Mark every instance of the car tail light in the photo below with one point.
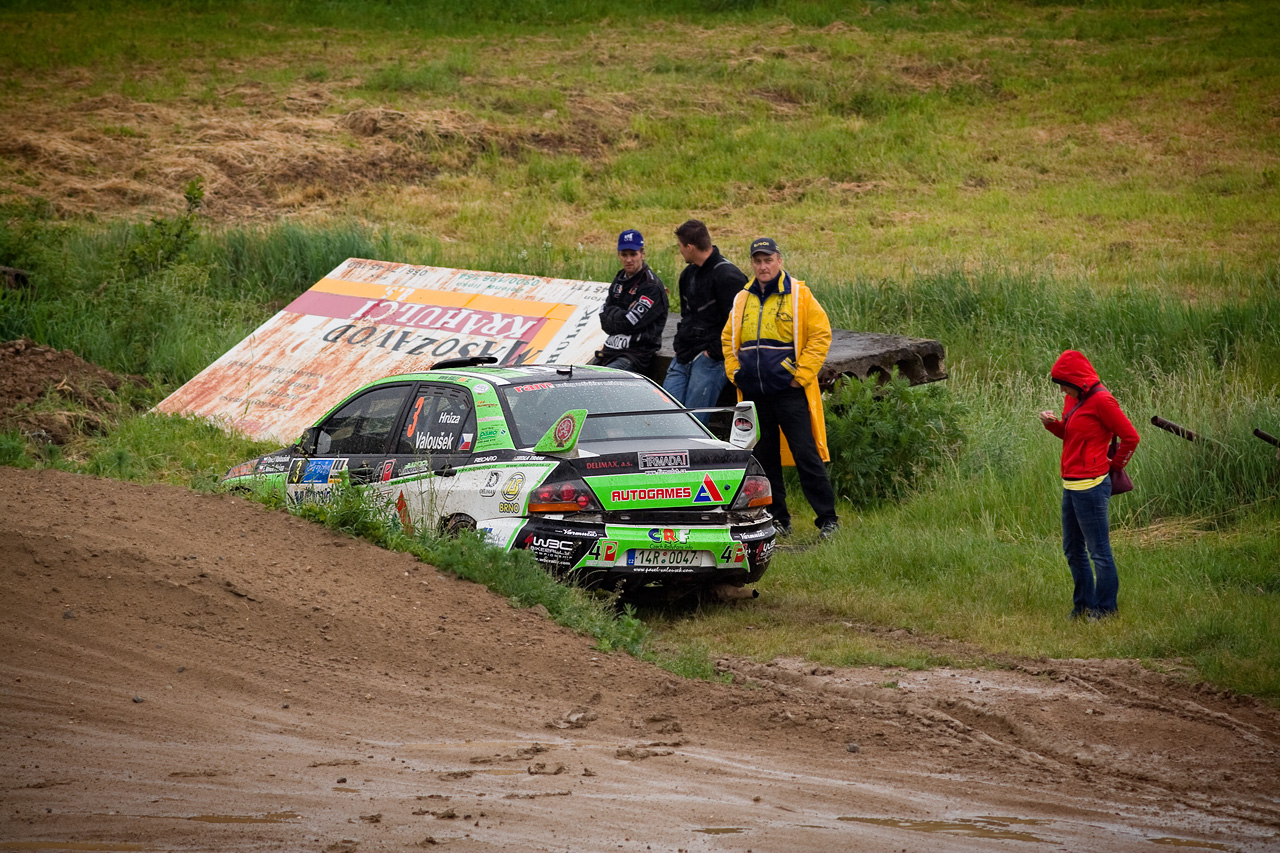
(755, 491)
(568, 495)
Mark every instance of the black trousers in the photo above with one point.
(788, 410)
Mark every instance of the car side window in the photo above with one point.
(441, 420)
(363, 425)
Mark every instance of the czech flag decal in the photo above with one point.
(709, 493)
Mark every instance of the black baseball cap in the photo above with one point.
(764, 245)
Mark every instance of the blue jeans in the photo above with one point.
(1086, 534)
(696, 383)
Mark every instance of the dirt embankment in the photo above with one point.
(182, 671)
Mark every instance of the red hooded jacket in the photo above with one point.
(1087, 425)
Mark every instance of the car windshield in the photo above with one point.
(535, 407)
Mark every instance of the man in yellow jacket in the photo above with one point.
(774, 344)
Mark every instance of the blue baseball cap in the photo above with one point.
(631, 241)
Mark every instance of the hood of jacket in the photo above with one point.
(1072, 367)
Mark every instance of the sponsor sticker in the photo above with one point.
(244, 469)
(511, 488)
(564, 430)
(676, 460)
(604, 551)
(536, 386)
(608, 464)
(675, 493)
(490, 487)
(667, 534)
(709, 492)
(387, 467)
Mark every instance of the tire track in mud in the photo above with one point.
(1108, 725)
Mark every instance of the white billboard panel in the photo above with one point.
(369, 319)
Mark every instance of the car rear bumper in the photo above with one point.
(608, 555)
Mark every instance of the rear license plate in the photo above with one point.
(659, 558)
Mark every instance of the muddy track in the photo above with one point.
(193, 672)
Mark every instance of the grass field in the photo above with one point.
(1012, 179)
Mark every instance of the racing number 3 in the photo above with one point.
(413, 422)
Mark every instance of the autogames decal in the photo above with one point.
(621, 496)
(666, 488)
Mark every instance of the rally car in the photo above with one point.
(599, 473)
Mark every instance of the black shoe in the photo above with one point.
(831, 528)
(782, 531)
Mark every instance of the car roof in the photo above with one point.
(500, 376)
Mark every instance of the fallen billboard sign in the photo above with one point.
(368, 319)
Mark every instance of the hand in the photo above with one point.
(1047, 417)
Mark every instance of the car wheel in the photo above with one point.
(455, 524)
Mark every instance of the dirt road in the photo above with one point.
(189, 672)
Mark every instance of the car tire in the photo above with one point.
(455, 524)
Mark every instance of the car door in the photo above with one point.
(356, 438)
(432, 442)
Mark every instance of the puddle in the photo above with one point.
(1187, 842)
(979, 828)
(274, 817)
(70, 845)
(721, 830)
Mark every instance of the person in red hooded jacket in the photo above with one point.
(1090, 417)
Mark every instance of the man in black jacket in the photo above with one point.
(635, 312)
(707, 288)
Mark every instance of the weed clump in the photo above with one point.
(885, 437)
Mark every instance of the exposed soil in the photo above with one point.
(182, 671)
(50, 395)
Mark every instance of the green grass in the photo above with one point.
(891, 137)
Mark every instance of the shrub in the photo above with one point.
(884, 437)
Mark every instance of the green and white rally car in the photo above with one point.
(598, 472)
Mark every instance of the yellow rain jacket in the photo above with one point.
(805, 327)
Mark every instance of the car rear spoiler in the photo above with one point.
(562, 438)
